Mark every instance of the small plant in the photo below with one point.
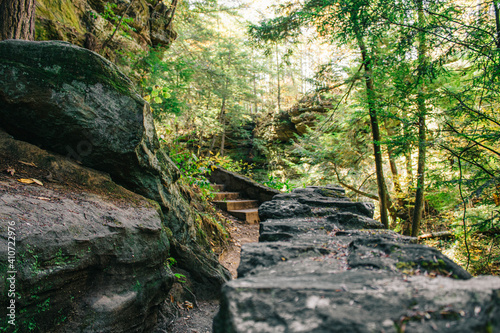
(171, 261)
(110, 15)
(180, 277)
(274, 182)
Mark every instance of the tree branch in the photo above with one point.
(117, 26)
(365, 194)
(472, 140)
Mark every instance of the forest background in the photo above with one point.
(396, 101)
(393, 100)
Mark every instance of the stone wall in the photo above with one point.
(320, 268)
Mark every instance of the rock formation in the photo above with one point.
(82, 23)
(343, 273)
(286, 125)
(89, 254)
(70, 101)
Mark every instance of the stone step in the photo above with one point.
(228, 205)
(220, 196)
(250, 216)
(218, 187)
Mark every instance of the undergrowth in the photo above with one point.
(478, 249)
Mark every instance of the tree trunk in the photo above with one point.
(222, 142)
(222, 121)
(370, 91)
(392, 161)
(17, 19)
(255, 106)
(278, 72)
(408, 163)
(421, 109)
(497, 22)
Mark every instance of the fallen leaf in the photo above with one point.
(37, 181)
(30, 181)
(29, 164)
(43, 198)
(188, 305)
(25, 181)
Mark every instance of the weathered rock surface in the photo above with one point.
(342, 273)
(327, 197)
(71, 101)
(286, 125)
(282, 209)
(90, 255)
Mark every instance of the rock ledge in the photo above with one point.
(343, 273)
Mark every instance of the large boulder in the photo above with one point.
(89, 254)
(72, 101)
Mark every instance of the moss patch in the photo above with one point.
(62, 11)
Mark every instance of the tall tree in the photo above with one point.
(17, 19)
(347, 21)
(421, 112)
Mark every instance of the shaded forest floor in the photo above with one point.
(199, 319)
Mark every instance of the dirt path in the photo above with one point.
(241, 234)
(199, 319)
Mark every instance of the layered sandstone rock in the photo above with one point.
(83, 23)
(89, 254)
(342, 273)
(72, 102)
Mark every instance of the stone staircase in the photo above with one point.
(231, 202)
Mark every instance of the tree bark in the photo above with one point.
(17, 19)
(377, 151)
(421, 108)
(223, 123)
(496, 3)
(278, 73)
(392, 160)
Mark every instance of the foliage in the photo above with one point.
(118, 21)
(276, 183)
(219, 96)
(458, 82)
(193, 168)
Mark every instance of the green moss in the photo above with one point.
(91, 69)
(407, 268)
(61, 11)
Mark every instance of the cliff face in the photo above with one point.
(77, 105)
(90, 23)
